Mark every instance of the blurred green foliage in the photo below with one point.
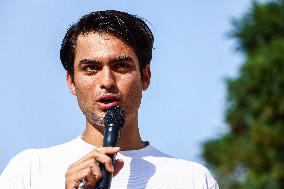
(251, 154)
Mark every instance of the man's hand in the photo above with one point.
(87, 167)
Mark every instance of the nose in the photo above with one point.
(107, 78)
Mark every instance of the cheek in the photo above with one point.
(84, 88)
(130, 84)
(131, 88)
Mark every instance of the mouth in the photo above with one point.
(107, 101)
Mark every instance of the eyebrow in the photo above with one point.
(121, 59)
(112, 61)
(88, 61)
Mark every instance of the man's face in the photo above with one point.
(106, 74)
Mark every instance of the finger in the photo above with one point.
(88, 163)
(95, 152)
(94, 176)
(97, 172)
(73, 180)
(119, 163)
(101, 157)
(82, 174)
(108, 150)
(106, 161)
(97, 158)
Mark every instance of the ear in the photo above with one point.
(70, 83)
(146, 77)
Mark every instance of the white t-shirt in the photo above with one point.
(146, 168)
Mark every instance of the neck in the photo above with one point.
(129, 138)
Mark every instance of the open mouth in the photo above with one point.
(108, 101)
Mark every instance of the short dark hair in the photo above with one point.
(129, 28)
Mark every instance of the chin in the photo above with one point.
(96, 120)
(97, 123)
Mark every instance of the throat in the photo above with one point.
(92, 136)
(129, 137)
(131, 141)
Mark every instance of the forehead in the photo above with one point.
(99, 44)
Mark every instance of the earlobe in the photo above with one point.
(146, 77)
(70, 83)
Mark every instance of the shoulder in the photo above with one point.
(59, 147)
(59, 154)
(27, 159)
(180, 165)
(17, 172)
(21, 160)
(189, 172)
(29, 164)
(60, 151)
(199, 173)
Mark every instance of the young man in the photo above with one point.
(107, 57)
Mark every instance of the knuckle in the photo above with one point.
(89, 170)
(103, 149)
(108, 160)
(97, 149)
(93, 161)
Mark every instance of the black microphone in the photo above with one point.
(114, 120)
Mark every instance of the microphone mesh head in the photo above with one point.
(115, 116)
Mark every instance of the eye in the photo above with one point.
(122, 66)
(91, 68)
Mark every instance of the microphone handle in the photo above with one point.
(111, 138)
(105, 182)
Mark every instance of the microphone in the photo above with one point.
(114, 120)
